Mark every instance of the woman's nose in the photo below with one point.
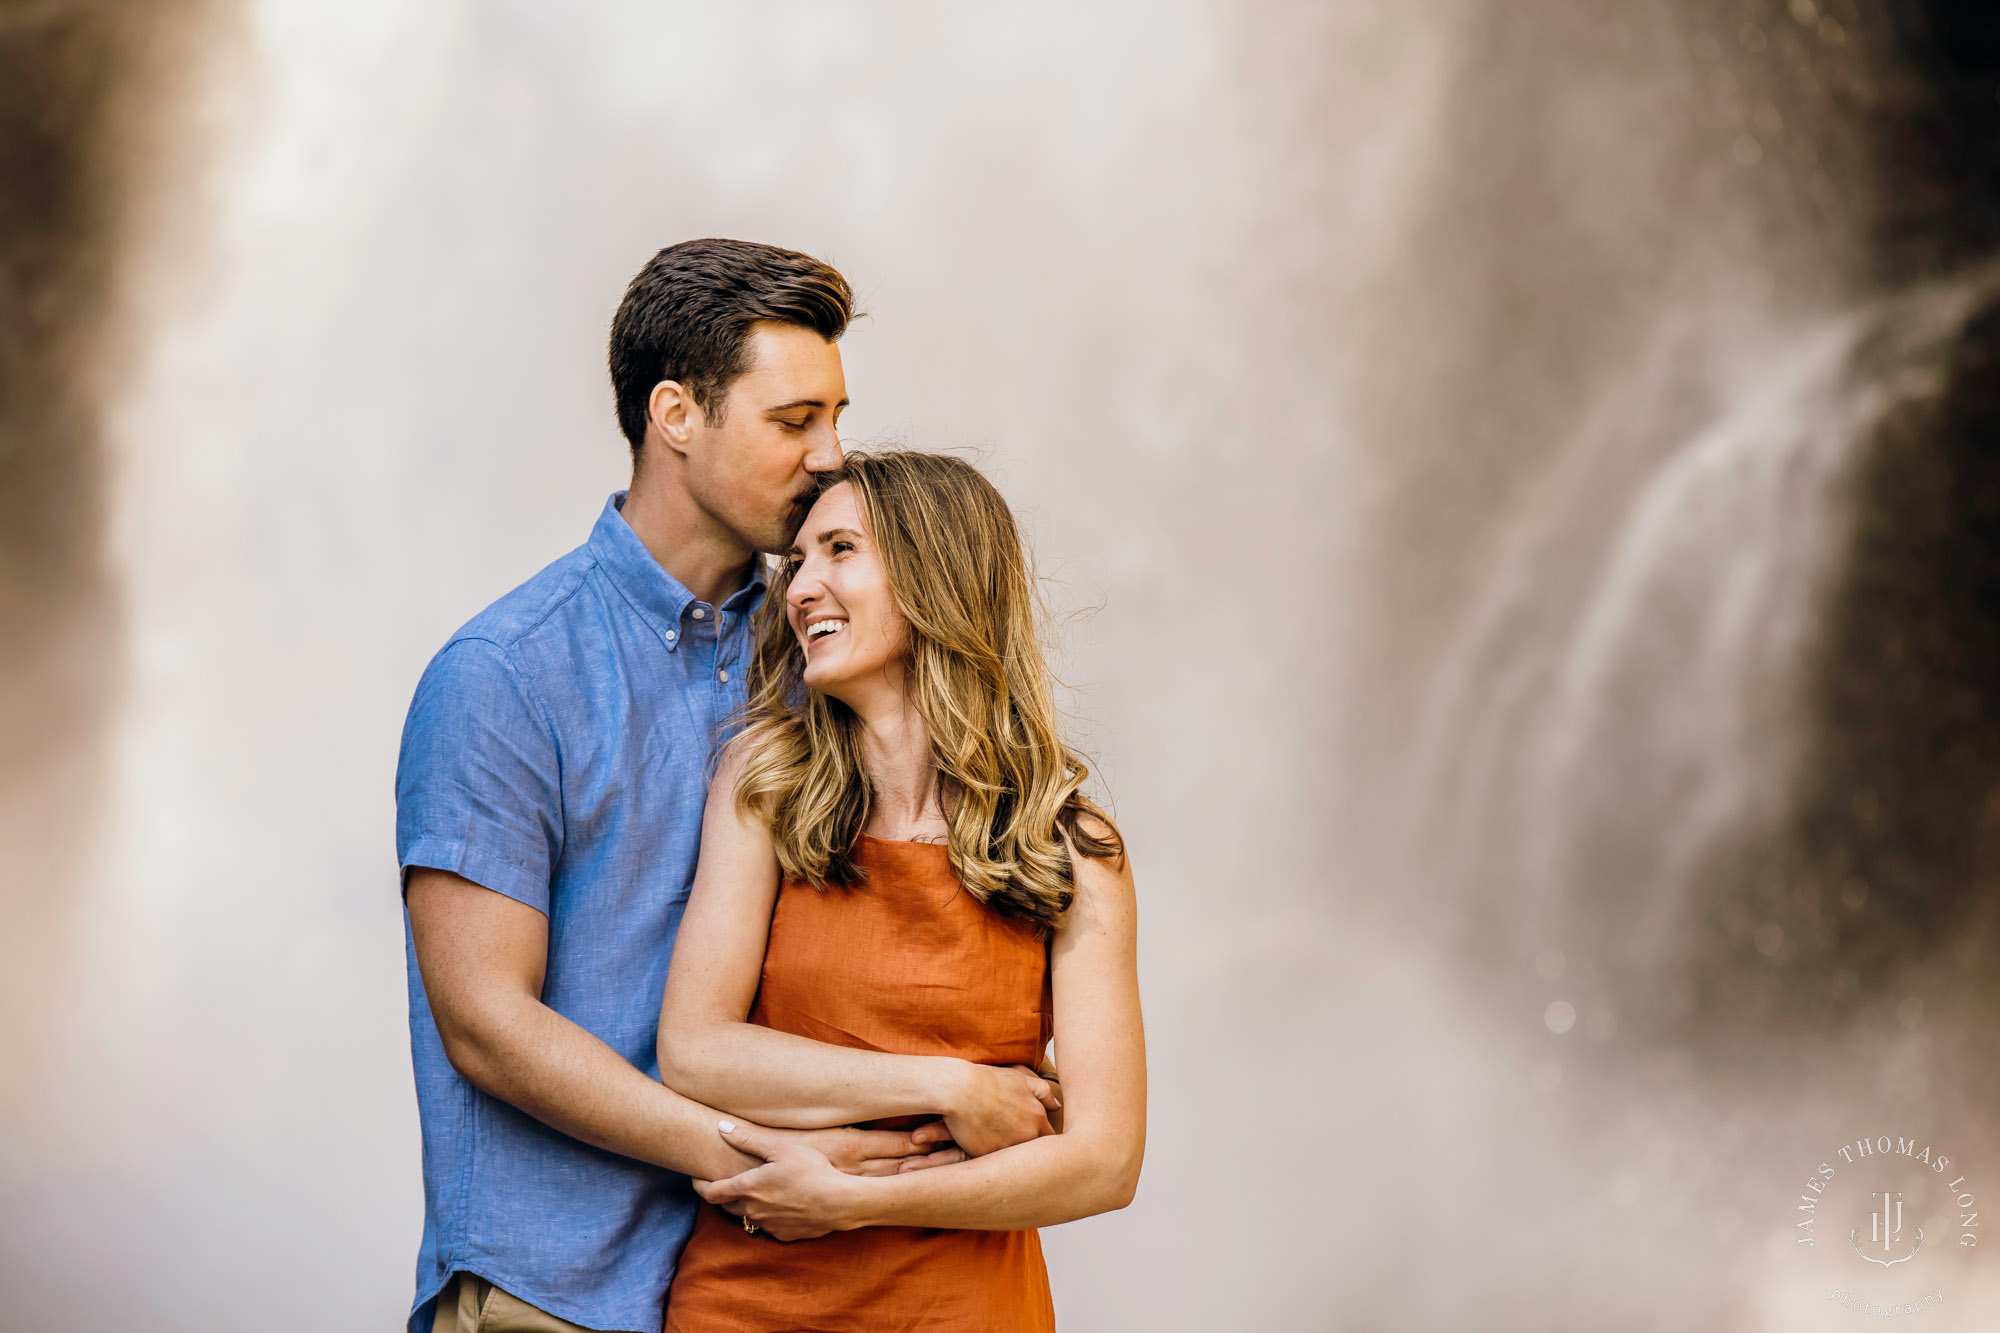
(803, 592)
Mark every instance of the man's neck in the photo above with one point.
(706, 560)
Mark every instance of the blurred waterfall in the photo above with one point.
(99, 144)
(1611, 744)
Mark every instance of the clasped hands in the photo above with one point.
(810, 1180)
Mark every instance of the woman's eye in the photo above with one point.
(840, 547)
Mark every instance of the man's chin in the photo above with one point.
(786, 530)
(779, 538)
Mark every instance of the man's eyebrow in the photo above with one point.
(804, 402)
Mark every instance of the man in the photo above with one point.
(549, 800)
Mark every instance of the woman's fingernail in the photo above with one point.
(726, 1126)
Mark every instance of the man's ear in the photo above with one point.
(672, 413)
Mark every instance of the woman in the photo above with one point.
(896, 858)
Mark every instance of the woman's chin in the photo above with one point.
(822, 678)
(848, 677)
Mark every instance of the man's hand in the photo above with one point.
(876, 1152)
(797, 1194)
(993, 1107)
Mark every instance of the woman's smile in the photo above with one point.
(821, 628)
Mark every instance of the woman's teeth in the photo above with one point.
(820, 629)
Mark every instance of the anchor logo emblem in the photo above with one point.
(1885, 1227)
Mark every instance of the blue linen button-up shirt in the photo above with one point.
(557, 751)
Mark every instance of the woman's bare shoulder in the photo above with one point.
(1102, 883)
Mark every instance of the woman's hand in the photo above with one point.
(878, 1152)
(795, 1195)
(990, 1107)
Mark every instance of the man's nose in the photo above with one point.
(824, 455)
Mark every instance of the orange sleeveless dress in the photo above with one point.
(913, 964)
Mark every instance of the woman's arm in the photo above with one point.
(778, 1078)
(1091, 1167)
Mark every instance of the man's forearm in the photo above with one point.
(533, 1058)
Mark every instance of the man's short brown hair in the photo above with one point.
(687, 316)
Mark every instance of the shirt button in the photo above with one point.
(671, 636)
(724, 673)
(700, 614)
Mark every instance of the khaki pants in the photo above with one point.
(471, 1304)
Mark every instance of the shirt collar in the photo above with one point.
(656, 595)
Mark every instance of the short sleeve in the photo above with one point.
(478, 790)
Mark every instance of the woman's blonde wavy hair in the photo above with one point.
(1009, 785)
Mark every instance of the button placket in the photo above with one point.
(726, 642)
